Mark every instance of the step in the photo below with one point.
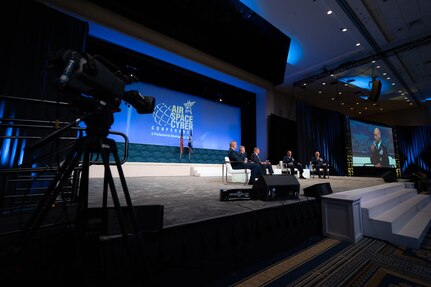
(368, 193)
(400, 214)
(414, 231)
(376, 206)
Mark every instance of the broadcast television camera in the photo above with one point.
(94, 83)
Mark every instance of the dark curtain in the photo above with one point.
(324, 131)
(281, 137)
(34, 34)
(414, 145)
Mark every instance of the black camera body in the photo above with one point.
(93, 83)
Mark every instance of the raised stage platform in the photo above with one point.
(194, 239)
(189, 198)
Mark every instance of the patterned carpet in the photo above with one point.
(330, 262)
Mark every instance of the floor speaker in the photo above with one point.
(390, 176)
(276, 187)
(149, 218)
(318, 190)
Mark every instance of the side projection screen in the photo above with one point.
(372, 145)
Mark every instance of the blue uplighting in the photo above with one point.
(14, 148)
(364, 82)
(21, 154)
(295, 52)
(115, 37)
(6, 147)
(295, 49)
(2, 108)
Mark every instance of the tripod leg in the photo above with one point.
(109, 179)
(124, 185)
(53, 191)
(81, 214)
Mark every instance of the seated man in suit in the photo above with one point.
(291, 163)
(242, 153)
(265, 165)
(237, 162)
(319, 163)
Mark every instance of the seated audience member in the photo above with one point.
(242, 153)
(264, 165)
(237, 162)
(319, 163)
(291, 164)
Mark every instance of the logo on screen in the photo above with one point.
(174, 116)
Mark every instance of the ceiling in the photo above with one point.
(326, 67)
(325, 64)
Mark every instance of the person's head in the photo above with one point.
(242, 149)
(377, 135)
(317, 154)
(256, 150)
(232, 144)
(289, 153)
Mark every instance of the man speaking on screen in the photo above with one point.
(379, 152)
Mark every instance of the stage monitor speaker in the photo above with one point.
(389, 176)
(149, 218)
(276, 187)
(318, 190)
(376, 89)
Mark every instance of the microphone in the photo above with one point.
(72, 62)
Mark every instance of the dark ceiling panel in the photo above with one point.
(225, 29)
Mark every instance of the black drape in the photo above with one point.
(324, 131)
(414, 145)
(34, 34)
(281, 137)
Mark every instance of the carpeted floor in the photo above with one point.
(330, 262)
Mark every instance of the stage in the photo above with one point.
(189, 199)
(188, 237)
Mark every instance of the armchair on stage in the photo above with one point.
(235, 175)
(313, 169)
(285, 169)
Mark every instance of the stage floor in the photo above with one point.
(188, 199)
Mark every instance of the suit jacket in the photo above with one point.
(243, 156)
(255, 158)
(237, 161)
(289, 160)
(317, 161)
(380, 155)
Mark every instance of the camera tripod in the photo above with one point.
(94, 142)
